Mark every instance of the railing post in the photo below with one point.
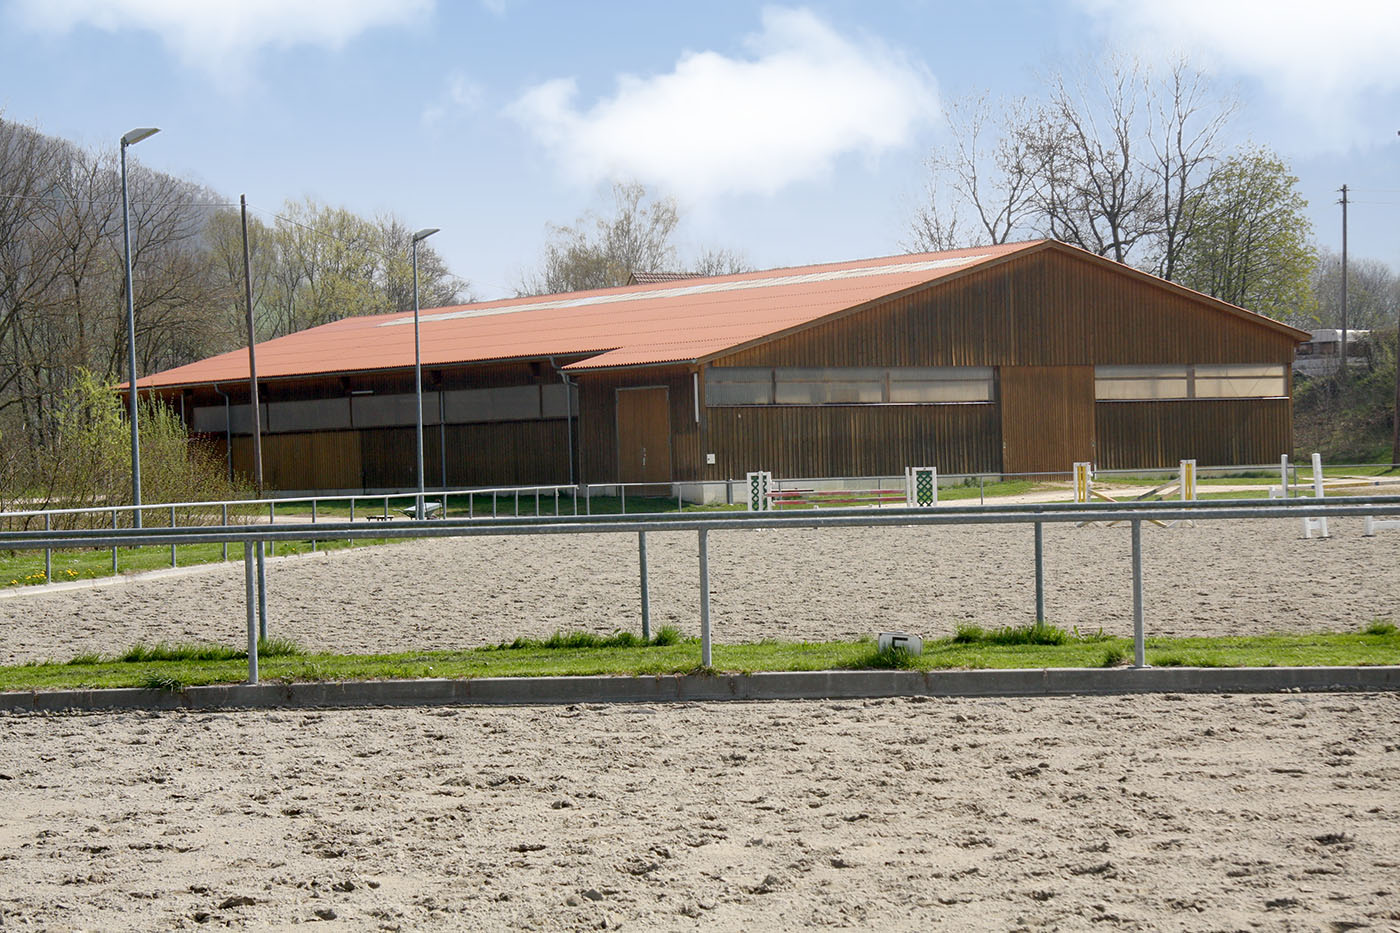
(646, 595)
(1039, 572)
(172, 546)
(1139, 649)
(224, 520)
(48, 553)
(704, 598)
(114, 547)
(313, 521)
(262, 592)
(252, 621)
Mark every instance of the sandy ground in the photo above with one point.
(1137, 813)
(1216, 578)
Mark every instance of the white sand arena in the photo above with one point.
(1141, 813)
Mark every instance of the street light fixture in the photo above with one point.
(131, 139)
(418, 363)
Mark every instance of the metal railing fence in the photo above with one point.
(1037, 514)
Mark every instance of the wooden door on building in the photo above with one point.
(644, 435)
(1047, 418)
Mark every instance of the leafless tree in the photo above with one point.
(1187, 123)
(1112, 161)
(991, 179)
(602, 252)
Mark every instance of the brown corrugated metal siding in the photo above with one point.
(1045, 320)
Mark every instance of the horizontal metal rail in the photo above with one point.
(260, 504)
(826, 518)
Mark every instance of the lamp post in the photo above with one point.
(418, 362)
(131, 139)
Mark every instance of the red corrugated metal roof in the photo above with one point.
(635, 325)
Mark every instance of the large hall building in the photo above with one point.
(1019, 358)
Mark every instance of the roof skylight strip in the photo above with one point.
(682, 291)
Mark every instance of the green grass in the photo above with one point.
(26, 568)
(173, 667)
(1037, 633)
(970, 490)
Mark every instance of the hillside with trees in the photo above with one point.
(62, 283)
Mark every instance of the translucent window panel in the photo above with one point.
(1141, 382)
(319, 414)
(942, 384)
(241, 418)
(208, 419)
(513, 403)
(397, 410)
(738, 386)
(828, 393)
(557, 399)
(849, 385)
(1240, 381)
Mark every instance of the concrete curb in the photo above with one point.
(779, 685)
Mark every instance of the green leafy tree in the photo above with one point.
(1252, 243)
(85, 459)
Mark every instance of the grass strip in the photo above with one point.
(26, 568)
(580, 654)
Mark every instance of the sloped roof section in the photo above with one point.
(661, 322)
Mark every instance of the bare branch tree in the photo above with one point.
(996, 185)
(1187, 121)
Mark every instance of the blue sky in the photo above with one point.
(791, 133)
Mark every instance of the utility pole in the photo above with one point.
(1343, 371)
(252, 355)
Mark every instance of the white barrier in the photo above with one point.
(1185, 487)
(921, 487)
(1318, 524)
(759, 484)
(1083, 481)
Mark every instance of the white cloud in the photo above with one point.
(805, 96)
(219, 35)
(1324, 62)
(460, 94)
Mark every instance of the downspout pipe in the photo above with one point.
(569, 389)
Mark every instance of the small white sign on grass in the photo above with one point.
(913, 644)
